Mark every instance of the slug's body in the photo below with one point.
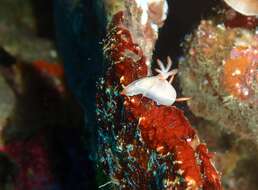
(157, 88)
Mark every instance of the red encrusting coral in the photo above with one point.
(53, 69)
(163, 129)
(234, 20)
(208, 170)
(54, 72)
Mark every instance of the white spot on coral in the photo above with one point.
(236, 72)
(144, 5)
(155, 27)
(245, 91)
(237, 84)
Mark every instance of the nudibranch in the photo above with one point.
(245, 7)
(156, 88)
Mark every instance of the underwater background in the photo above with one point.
(64, 124)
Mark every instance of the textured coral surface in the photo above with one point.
(220, 67)
(219, 70)
(143, 145)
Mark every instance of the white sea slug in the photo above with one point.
(157, 88)
(245, 7)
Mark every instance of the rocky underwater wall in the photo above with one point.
(144, 145)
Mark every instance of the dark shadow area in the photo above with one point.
(43, 11)
(8, 170)
(79, 31)
(5, 58)
(183, 16)
(70, 162)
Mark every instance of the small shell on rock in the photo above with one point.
(245, 7)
